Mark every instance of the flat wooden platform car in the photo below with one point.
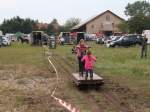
(79, 81)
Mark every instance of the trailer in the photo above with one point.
(80, 35)
(39, 38)
(80, 81)
(66, 36)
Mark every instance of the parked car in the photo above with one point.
(139, 39)
(114, 43)
(106, 39)
(99, 40)
(127, 41)
(102, 40)
(113, 39)
(6, 41)
(11, 37)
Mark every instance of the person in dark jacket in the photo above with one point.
(144, 47)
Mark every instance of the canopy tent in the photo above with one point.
(18, 34)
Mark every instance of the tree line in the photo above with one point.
(139, 17)
(138, 14)
(17, 24)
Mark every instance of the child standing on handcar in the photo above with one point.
(89, 60)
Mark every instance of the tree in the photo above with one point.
(17, 24)
(139, 23)
(124, 27)
(70, 23)
(53, 27)
(139, 7)
(139, 13)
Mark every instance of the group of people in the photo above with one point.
(86, 59)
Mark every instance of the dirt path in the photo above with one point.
(109, 99)
(87, 98)
(116, 102)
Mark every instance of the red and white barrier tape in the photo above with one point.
(61, 102)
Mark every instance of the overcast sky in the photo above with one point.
(46, 10)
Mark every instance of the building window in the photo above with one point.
(107, 17)
(92, 26)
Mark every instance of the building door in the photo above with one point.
(108, 33)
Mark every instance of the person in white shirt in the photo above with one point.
(62, 40)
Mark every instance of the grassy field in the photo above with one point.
(119, 66)
(24, 54)
(25, 78)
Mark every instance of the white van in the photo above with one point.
(147, 33)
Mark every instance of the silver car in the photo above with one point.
(6, 41)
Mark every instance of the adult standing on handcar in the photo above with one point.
(81, 49)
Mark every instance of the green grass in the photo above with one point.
(122, 65)
(22, 54)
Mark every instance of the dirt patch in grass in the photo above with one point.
(26, 88)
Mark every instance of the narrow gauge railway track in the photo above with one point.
(109, 97)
